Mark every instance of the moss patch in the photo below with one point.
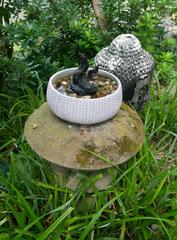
(127, 145)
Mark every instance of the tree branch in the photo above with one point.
(99, 13)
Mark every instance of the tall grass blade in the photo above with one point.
(96, 216)
(52, 227)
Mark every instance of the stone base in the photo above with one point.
(85, 147)
(72, 178)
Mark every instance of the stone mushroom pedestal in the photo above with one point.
(72, 148)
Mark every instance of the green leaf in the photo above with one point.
(4, 236)
(24, 231)
(96, 216)
(52, 227)
(3, 221)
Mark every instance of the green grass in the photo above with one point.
(140, 204)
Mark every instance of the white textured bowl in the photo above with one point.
(83, 111)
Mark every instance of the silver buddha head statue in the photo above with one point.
(126, 59)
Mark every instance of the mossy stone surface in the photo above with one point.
(71, 145)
